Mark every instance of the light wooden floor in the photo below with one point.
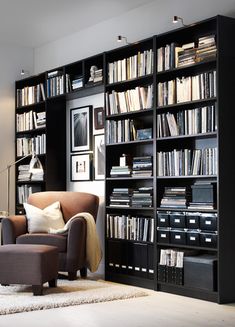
(158, 309)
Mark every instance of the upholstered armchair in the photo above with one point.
(72, 244)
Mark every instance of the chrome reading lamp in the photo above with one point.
(35, 167)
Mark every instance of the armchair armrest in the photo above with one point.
(12, 227)
(76, 244)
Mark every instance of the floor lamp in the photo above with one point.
(35, 166)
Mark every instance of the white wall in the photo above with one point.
(95, 187)
(12, 60)
(145, 21)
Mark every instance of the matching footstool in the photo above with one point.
(29, 264)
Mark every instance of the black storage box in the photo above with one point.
(162, 219)
(208, 221)
(177, 219)
(193, 238)
(201, 272)
(192, 220)
(208, 240)
(163, 235)
(161, 273)
(204, 193)
(178, 236)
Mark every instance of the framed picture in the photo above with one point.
(80, 169)
(99, 119)
(80, 129)
(99, 157)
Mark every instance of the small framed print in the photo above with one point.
(80, 169)
(99, 157)
(80, 129)
(99, 119)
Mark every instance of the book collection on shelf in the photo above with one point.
(131, 100)
(24, 174)
(173, 55)
(28, 145)
(30, 120)
(189, 88)
(187, 162)
(188, 122)
(138, 65)
(140, 197)
(30, 95)
(55, 83)
(131, 228)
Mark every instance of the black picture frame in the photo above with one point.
(99, 157)
(80, 167)
(81, 128)
(99, 118)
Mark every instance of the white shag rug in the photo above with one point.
(19, 298)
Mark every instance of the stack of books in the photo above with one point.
(142, 197)
(98, 76)
(206, 48)
(120, 171)
(37, 175)
(77, 83)
(23, 173)
(121, 197)
(187, 56)
(39, 119)
(142, 166)
(175, 197)
(203, 195)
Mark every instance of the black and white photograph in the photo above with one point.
(98, 120)
(99, 156)
(80, 167)
(80, 124)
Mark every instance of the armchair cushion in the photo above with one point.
(59, 241)
(41, 220)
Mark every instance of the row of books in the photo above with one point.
(24, 191)
(120, 131)
(190, 88)
(135, 66)
(173, 55)
(187, 162)
(126, 197)
(172, 258)
(55, 83)
(25, 145)
(131, 100)
(30, 120)
(188, 122)
(141, 167)
(30, 95)
(175, 197)
(130, 228)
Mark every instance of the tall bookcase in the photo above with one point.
(41, 121)
(196, 92)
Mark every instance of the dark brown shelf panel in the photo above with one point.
(196, 136)
(129, 279)
(56, 97)
(187, 104)
(30, 182)
(129, 241)
(186, 209)
(29, 157)
(140, 80)
(186, 246)
(128, 178)
(130, 142)
(85, 91)
(188, 67)
(188, 176)
(130, 208)
(31, 131)
(135, 113)
(30, 106)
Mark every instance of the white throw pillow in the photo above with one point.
(41, 220)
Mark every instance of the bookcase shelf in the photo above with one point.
(145, 112)
(185, 209)
(32, 131)
(196, 136)
(30, 106)
(130, 143)
(128, 178)
(187, 104)
(130, 208)
(131, 82)
(188, 176)
(173, 245)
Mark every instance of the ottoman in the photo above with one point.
(29, 264)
